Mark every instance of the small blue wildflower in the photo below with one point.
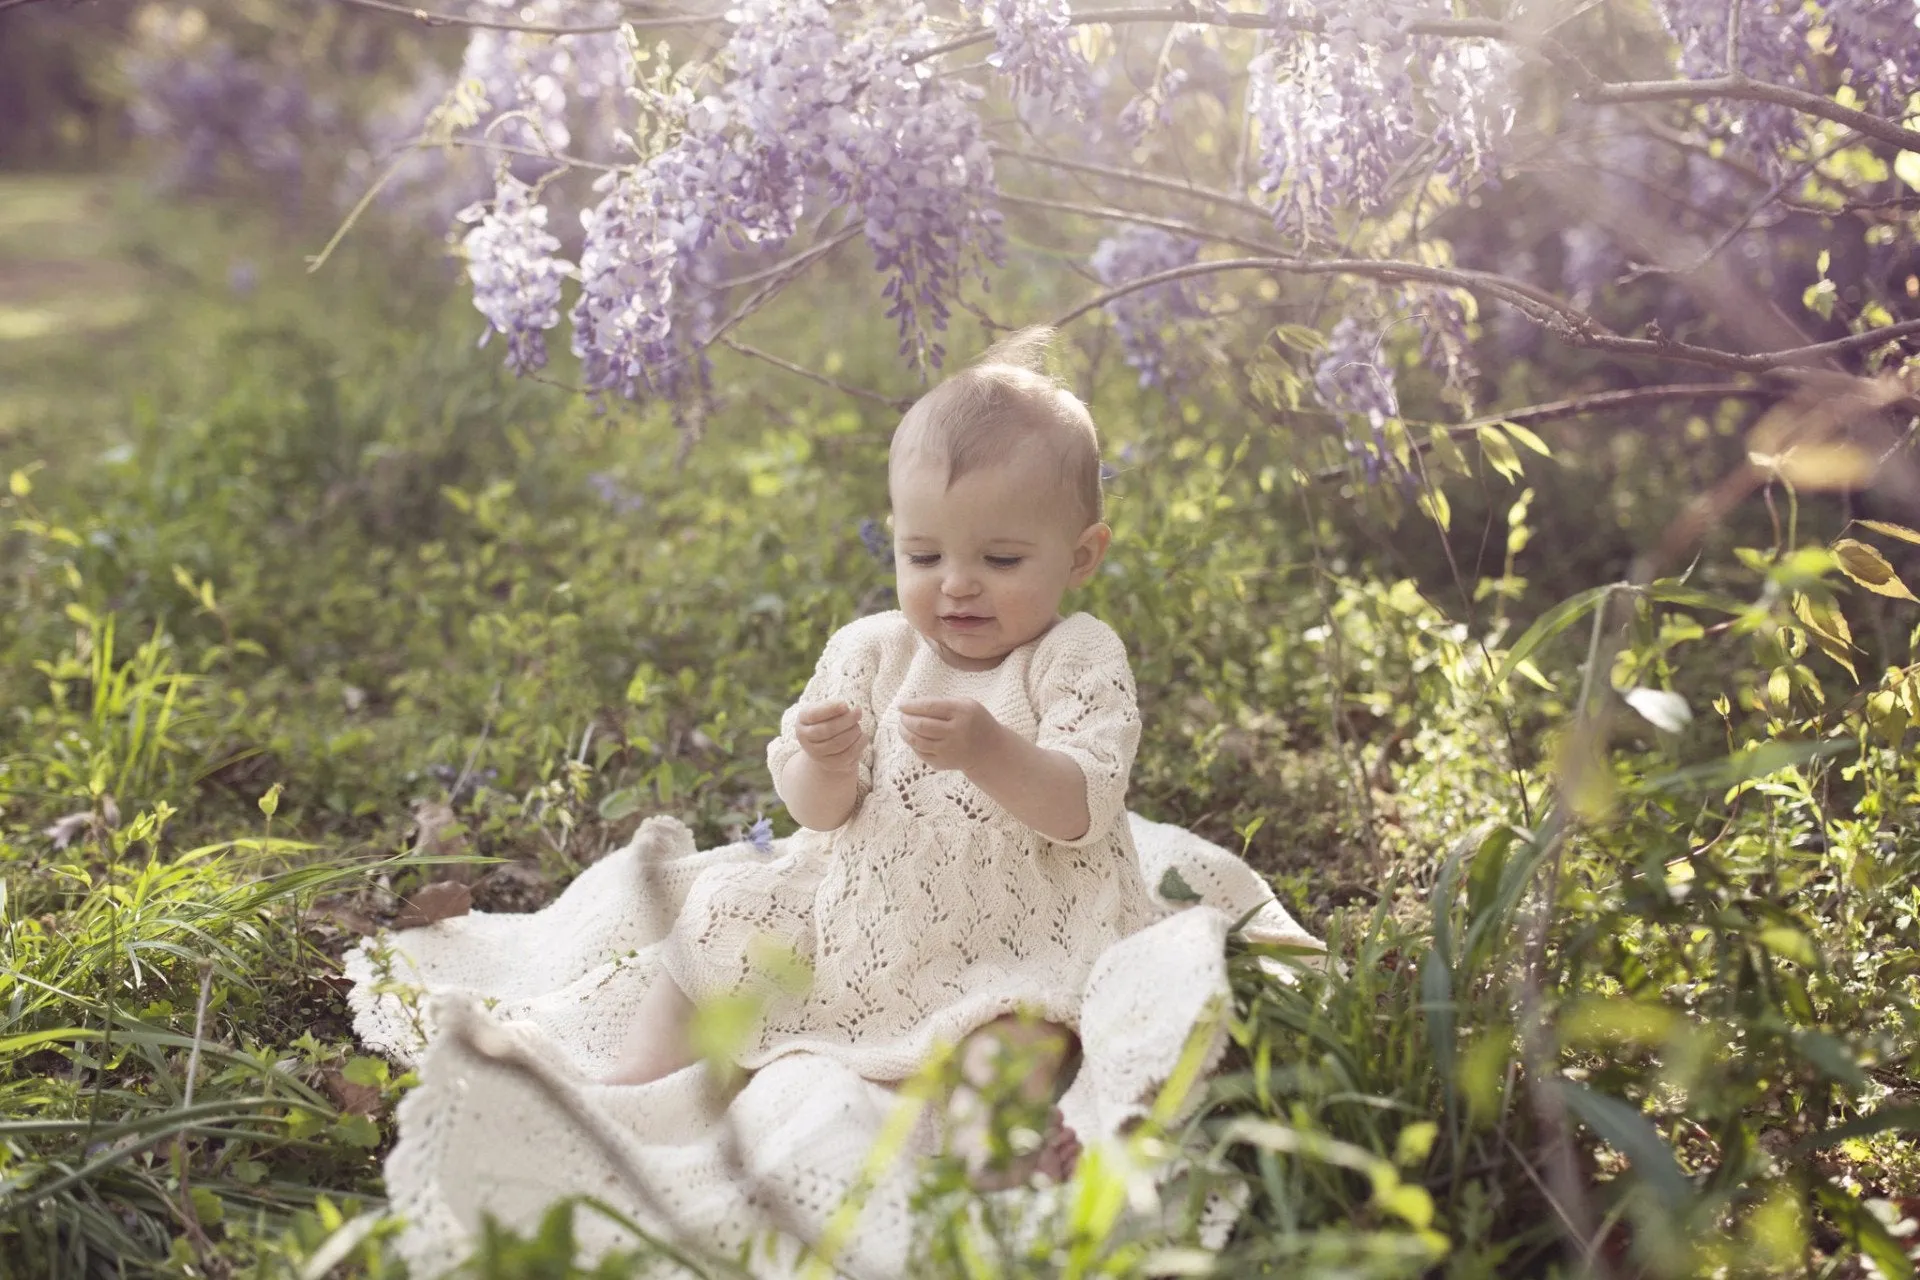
(874, 535)
(1108, 472)
(609, 491)
(760, 834)
(242, 278)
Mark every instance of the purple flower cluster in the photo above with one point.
(1141, 318)
(1033, 46)
(1773, 47)
(220, 115)
(610, 491)
(1873, 45)
(1351, 378)
(516, 277)
(1445, 345)
(875, 538)
(536, 87)
(1340, 112)
(809, 109)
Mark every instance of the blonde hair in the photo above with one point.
(982, 415)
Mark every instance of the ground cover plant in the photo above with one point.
(1588, 746)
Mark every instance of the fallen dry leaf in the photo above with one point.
(441, 900)
(354, 1099)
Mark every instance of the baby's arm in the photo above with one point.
(821, 785)
(1046, 790)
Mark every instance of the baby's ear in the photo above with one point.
(1089, 551)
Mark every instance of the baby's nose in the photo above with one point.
(960, 583)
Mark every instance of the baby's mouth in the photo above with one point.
(965, 620)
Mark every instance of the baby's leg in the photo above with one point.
(1017, 1065)
(657, 1045)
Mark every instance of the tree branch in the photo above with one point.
(1741, 89)
(1597, 402)
(1485, 28)
(433, 19)
(1570, 324)
(1516, 293)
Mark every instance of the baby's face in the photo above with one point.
(982, 564)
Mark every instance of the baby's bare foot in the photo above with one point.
(1059, 1150)
(1055, 1158)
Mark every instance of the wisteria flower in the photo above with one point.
(516, 275)
(1142, 317)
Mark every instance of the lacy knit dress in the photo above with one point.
(931, 910)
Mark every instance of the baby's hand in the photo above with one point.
(948, 733)
(830, 733)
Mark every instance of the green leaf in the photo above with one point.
(358, 1131)
(1411, 1204)
(616, 805)
(1624, 1128)
(1831, 1057)
(1757, 761)
(1904, 1118)
(207, 1207)
(1866, 1231)
(1790, 944)
(371, 1072)
(1870, 569)
(1550, 624)
(1413, 1143)
(1174, 887)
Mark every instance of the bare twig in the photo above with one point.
(502, 1050)
(1143, 219)
(891, 402)
(1138, 178)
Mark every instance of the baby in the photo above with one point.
(968, 755)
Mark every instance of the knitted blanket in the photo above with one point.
(510, 1019)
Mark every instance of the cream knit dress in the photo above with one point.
(928, 913)
(931, 911)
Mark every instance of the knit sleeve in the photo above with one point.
(846, 670)
(1084, 697)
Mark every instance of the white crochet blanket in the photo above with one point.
(509, 1019)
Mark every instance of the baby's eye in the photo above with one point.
(923, 558)
(1004, 562)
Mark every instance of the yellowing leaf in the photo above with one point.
(1499, 451)
(1870, 569)
(1435, 505)
(1527, 438)
(1899, 531)
(1907, 166)
(1824, 466)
